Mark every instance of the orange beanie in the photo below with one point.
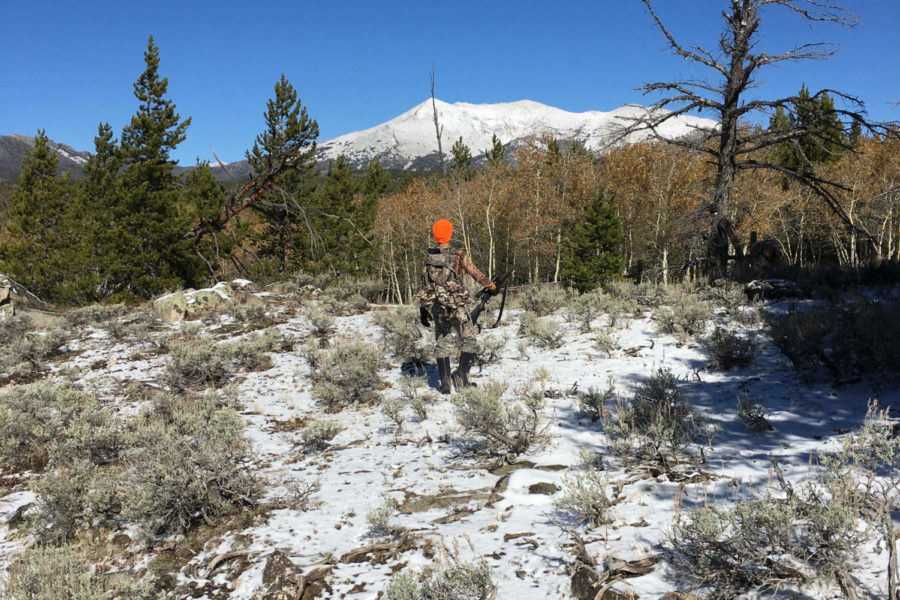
(442, 231)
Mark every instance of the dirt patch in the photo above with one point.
(292, 424)
(414, 503)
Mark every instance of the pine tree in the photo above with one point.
(821, 134)
(147, 227)
(287, 236)
(462, 161)
(594, 245)
(347, 217)
(34, 250)
(377, 180)
(496, 153)
(202, 199)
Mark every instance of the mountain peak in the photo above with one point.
(409, 141)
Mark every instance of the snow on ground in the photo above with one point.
(517, 532)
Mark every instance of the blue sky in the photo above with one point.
(67, 66)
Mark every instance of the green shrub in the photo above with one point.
(865, 473)
(583, 309)
(541, 300)
(42, 420)
(321, 322)
(393, 410)
(545, 334)
(853, 337)
(26, 354)
(605, 343)
(77, 493)
(94, 314)
(456, 581)
(584, 497)
(495, 426)
(13, 327)
(801, 336)
(136, 326)
(315, 436)
(187, 462)
(196, 364)
(66, 572)
(636, 297)
(726, 350)
(490, 347)
(251, 353)
(346, 374)
(763, 543)
(401, 335)
(657, 425)
(592, 403)
(686, 318)
(752, 413)
(381, 523)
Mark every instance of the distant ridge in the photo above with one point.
(13, 147)
(408, 142)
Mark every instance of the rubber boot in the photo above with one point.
(461, 376)
(444, 374)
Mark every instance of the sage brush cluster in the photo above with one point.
(541, 300)
(726, 349)
(497, 426)
(657, 425)
(763, 543)
(847, 339)
(685, 318)
(401, 335)
(584, 497)
(457, 581)
(315, 436)
(348, 373)
(543, 333)
(66, 572)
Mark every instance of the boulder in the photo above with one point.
(16, 300)
(194, 304)
(171, 308)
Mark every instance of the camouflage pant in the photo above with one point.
(444, 329)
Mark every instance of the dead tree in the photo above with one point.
(438, 129)
(734, 146)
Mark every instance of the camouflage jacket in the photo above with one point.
(442, 281)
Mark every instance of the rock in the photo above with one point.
(16, 300)
(194, 304)
(770, 289)
(209, 301)
(543, 487)
(171, 308)
(282, 578)
(585, 582)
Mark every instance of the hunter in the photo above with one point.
(444, 300)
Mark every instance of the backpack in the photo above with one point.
(441, 285)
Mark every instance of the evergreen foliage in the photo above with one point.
(821, 138)
(496, 153)
(148, 252)
(594, 252)
(34, 250)
(286, 235)
(346, 217)
(462, 161)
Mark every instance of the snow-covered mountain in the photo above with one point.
(409, 141)
(13, 147)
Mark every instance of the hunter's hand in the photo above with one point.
(492, 289)
(424, 316)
